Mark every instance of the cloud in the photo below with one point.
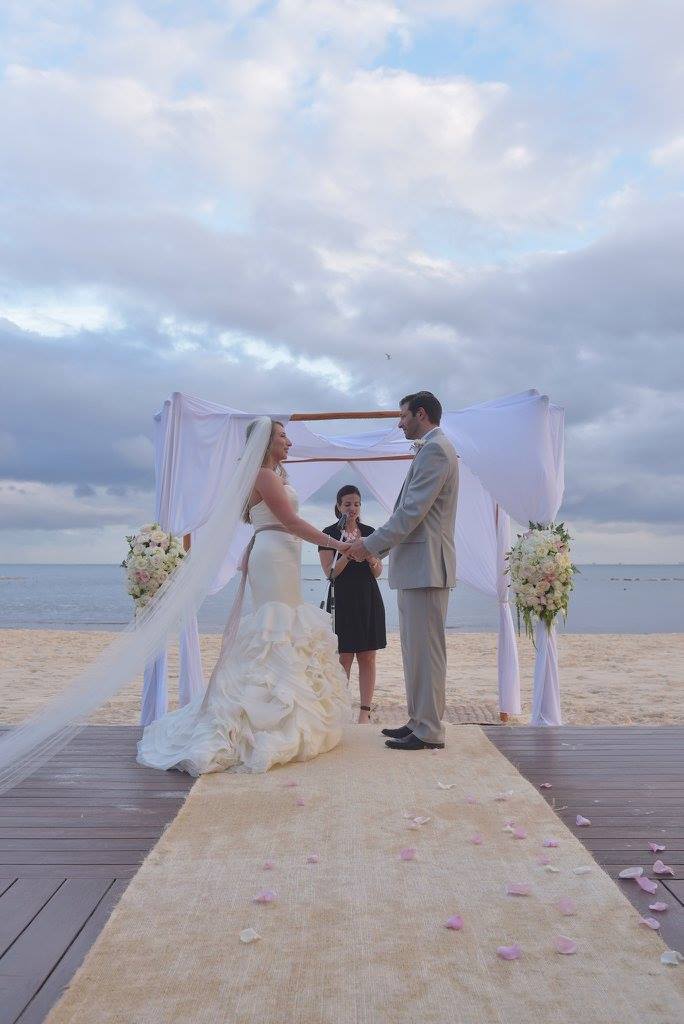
(254, 203)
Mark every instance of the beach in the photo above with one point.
(619, 679)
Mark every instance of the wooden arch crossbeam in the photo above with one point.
(379, 415)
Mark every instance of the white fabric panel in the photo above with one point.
(385, 479)
(190, 675)
(308, 477)
(507, 654)
(546, 708)
(475, 533)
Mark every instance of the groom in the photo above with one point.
(422, 568)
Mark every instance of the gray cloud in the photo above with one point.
(265, 213)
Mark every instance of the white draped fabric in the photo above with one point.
(511, 453)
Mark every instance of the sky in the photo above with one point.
(255, 202)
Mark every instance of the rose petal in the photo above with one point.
(567, 906)
(446, 785)
(408, 854)
(650, 922)
(580, 820)
(658, 906)
(290, 784)
(470, 799)
(519, 833)
(313, 858)
(249, 935)
(646, 884)
(565, 945)
(545, 785)
(582, 870)
(542, 859)
(507, 828)
(421, 821)
(672, 958)
(550, 843)
(455, 923)
(269, 865)
(477, 839)
(662, 869)
(509, 952)
(301, 802)
(504, 796)
(518, 889)
(655, 847)
(635, 872)
(267, 896)
(553, 868)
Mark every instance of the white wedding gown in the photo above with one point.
(278, 694)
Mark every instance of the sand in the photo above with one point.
(605, 679)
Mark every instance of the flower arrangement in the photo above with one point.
(541, 574)
(152, 556)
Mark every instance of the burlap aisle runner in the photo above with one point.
(359, 936)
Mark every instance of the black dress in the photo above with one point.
(359, 608)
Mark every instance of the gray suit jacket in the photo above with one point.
(420, 532)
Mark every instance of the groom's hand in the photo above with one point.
(358, 552)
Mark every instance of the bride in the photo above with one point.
(277, 693)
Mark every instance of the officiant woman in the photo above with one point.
(359, 608)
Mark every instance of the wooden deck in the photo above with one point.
(71, 838)
(73, 835)
(629, 782)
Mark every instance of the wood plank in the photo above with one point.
(75, 832)
(32, 957)
(72, 845)
(49, 993)
(71, 858)
(75, 871)
(20, 904)
(5, 883)
(629, 781)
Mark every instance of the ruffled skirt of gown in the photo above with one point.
(278, 694)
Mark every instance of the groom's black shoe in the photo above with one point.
(412, 742)
(398, 734)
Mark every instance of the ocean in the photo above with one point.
(606, 599)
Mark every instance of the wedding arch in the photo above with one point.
(511, 467)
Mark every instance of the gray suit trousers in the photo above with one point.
(422, 615)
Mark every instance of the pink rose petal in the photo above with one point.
(545, 785)
(269, 865)
(301, 802)
(519, 832)
(646, 884)
(313, 858)
(662, 869)
(455, 923)
(509, 952)
(267, 896)
(567, 906)
(543, 859)
(658, 906)
(565, 945)
(290, 784)
(470, 799)
(550, 843)
(580, 820)
(633, 872)
(477, 839)
(650, 922)
(655, 847)
(517, 889)
(408, 854)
